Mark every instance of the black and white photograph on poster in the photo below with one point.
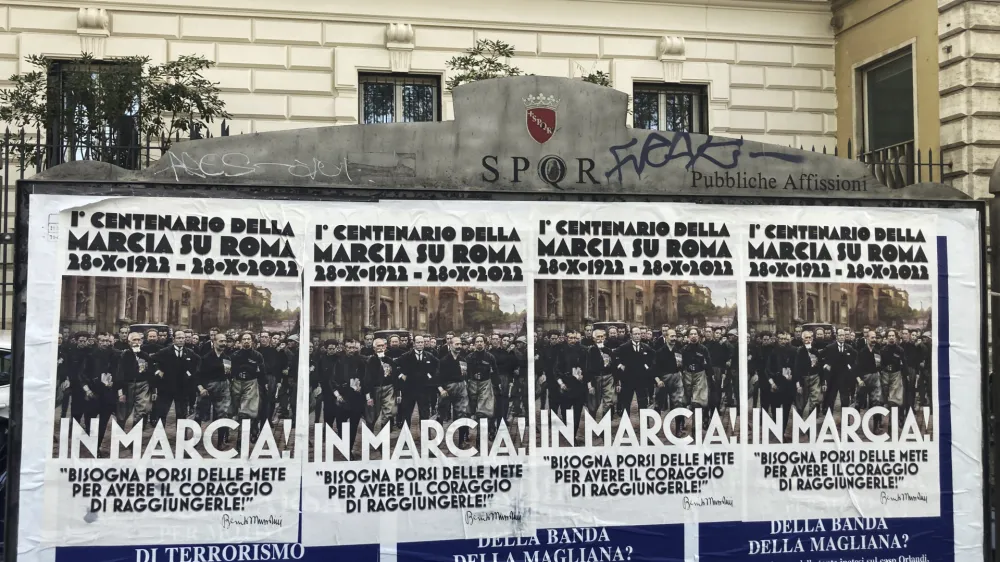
(626, 348)
(447, 364)
(830, 350)
(198, 366)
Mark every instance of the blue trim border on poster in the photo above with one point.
(926, 538)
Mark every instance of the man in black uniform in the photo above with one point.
(175, 368)
(601, 369)
(122, 343)
(380, 394)
(780, 376)
(696, 360)
(417, 372)
(635, 361)
(346, 391)
(99, 384)
(808, 374)
(317, 385)
(546, 364)
(614, 339)
(135, 376)
(588, 336)
(285, 395)
(213, 385)
(453, 387)
(152, 343)
(274, 363)
(573, 379)
(506, 364)
(77, 360)
(869, 364)
(483, 378)
(519, 389)
(396, 349)
(839, 363)
(721, 359)
(893, 366)
(669, 381)
(63, 368)
(327, 363)
(248, 379)
(911, 371)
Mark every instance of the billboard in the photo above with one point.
(238, 377)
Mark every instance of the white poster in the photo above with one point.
(247, 379)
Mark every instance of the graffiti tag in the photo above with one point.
(659, 150)
(238, 164)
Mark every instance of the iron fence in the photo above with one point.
(23, 153)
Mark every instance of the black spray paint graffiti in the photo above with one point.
(237, 164)
(658, 151)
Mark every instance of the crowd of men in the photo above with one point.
(809, 371)
(379, 382)
(684, 366)
(140, 376)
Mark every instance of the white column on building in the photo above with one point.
(72, 297)
(770, 301)
(377, 320)
(122, 289)
(559, 299)
(544, 291)
(586, 299)
(91, 297)
(624, 303)
(154, 313)
(795, 300)
(825, 290)
(406, 308)
(134, 313)
(614, 300)
(165, 302)
(368, 307)
(338, 315)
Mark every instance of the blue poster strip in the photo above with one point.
(648, 543)
(242, 552)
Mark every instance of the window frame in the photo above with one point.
(861, 81)
(66, 148)
(399, 79)
(699, 93)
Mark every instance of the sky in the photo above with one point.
(919, 292)
(282, 292)
(721, 291)
(517, 296)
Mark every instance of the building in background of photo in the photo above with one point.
(339, 312)
(782, 306)
(98, 304)
(562, 305)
